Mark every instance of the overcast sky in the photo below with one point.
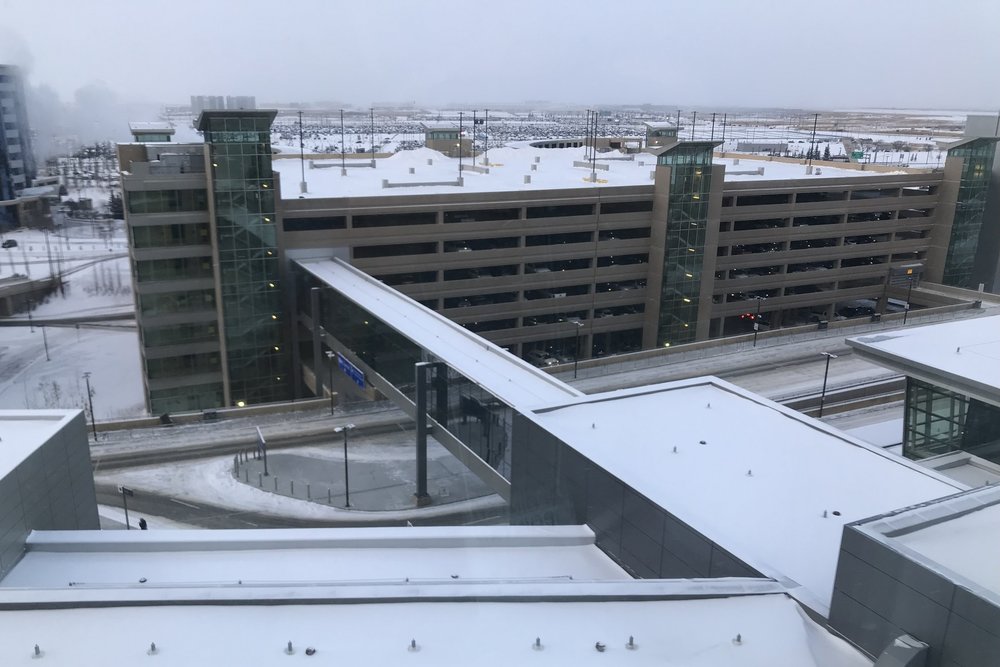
(823, 54)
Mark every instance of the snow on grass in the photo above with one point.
(97, 280)
(211, 481)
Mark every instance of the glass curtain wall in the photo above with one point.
(471, 413)
(969, 208)
(243, 191)
(938, 421)
(687, 219)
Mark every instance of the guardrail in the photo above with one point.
(589, 368)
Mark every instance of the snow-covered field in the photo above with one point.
(98, 281)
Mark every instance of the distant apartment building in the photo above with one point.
(17, 162)
(549, 256)
(201, 103)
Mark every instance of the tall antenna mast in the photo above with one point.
(486, 139)
(460, 147)
(812, 143)
(593, 152)
(343, 164)
(302, 157)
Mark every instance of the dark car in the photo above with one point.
(9, 243)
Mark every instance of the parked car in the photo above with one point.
(9, 243)
(541, 358)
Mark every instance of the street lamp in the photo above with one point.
(909, 290)
(90, 400)
(330, 354)
(756, 319)
(347, 486)
(826, 373)
(576, 347)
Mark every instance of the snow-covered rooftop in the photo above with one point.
(311, 556)
(510, 379)
(967, 545)
(24, 431)
(958, 536)
(772, 630)
(660, 124)
(554, 169)
(157, 126)
(962, 355)
(770, 485)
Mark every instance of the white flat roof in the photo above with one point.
(962, 355)
(968, 545)
(314, 557)
(508, 167)
(151, 126)
(761, 483)
(697, 633)
(24, 431)
(512, 380)
(957, 537)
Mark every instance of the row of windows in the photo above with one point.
(179, 268)
(158, 236)
(167, 201)
(479, 215)
(183, 365)
(180, 334)
(538, 240)
(774, 199)
(176, 302)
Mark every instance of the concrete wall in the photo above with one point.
(52, 489)
(552, 484)
(879, 594)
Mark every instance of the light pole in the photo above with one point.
(909, 290)
(756, 319)
(576, 347)
(826, 373)
(126, 492)
(347, 486)
(90, 401)
(330, 354)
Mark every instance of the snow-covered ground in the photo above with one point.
(92, 257)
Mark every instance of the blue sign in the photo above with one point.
(352, 371)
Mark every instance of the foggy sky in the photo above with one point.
(811, 54)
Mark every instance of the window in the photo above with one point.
(560, 211)
(393, 220)
(482, 215)
(167, 201)
(627, 207)
(314, 224)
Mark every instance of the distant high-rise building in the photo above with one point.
(201, 103)
(241, 102)
(17, 162)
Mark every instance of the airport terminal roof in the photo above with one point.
(958, 536)
(427, 596)
(316, 557)
(768, 484)
(434, 173)
(963, 356)
(510, 379)
(24, 431)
